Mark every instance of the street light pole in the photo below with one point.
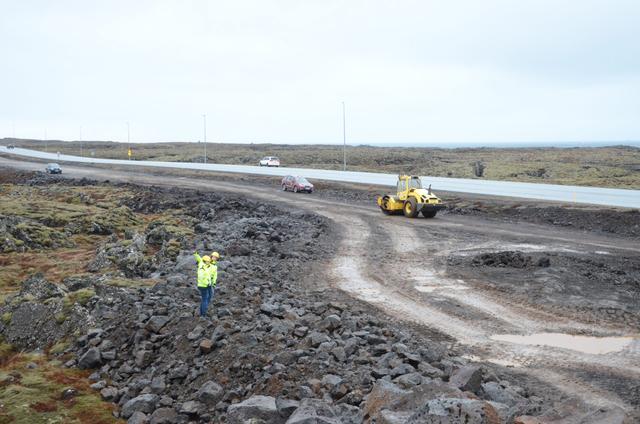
(344, 139)
(128, 141)
(46, 149)
(81, 152)
(204, 119)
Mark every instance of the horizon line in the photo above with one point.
(443, 145)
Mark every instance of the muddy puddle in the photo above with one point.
(426, 281)
(585, 344)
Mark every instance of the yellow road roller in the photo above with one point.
(411, 199)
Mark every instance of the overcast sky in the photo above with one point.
(445, 71)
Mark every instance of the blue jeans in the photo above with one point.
(206, 293)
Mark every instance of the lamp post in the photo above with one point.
(204, 121)
(344, 139)
(81, 152)
(45, 141)
(128, 141)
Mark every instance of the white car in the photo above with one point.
(269, 161)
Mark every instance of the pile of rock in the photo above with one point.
(278, 346)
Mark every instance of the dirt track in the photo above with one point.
(432, 274)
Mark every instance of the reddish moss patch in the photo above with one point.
(44, 407)
(70, 377)
(101, 414)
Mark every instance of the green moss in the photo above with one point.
(38, 235)
(117, 219)
(172, 249)
(59, 347)
(6, 318)
(22, 299)
(80, 297)
(60, 208)
(60, 317)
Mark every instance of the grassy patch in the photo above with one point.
(33, 396)
(6, 318)
(59, 206)
(59, 347)
(56, 265)
(5, 350)
(80, 297)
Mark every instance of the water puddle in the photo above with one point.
(585, 344)
(428, 282)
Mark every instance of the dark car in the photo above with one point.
(296, 184)
(11, 146)
(53, 168)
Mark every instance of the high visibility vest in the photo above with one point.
(214, 273)
(204, 275)
(207, 274)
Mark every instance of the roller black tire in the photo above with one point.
(295, 189)
(284, 187)
(429, 213)
(409, 208)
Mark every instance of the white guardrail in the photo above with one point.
(552, 192)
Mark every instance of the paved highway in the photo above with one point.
(551, 192)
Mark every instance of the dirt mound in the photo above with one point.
(610, 221)
(513, 259)
(10, 175)
(598, 288)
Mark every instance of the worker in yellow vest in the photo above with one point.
(207, 277)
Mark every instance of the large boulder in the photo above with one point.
(383, 395)
(144, 403)
(163, 416)
(286, 407)
(156, 323)
(502, 393)
(389, 396)
(314, 411)
(210, 393)
(138, 418)
(451, 410)
(36, 325)
(38, 288)
(256, 407)
(91, 359)
(467, 378)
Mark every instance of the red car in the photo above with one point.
(296, 184)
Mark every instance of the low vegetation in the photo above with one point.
(57, 229)
(615, 166)
(37, 389)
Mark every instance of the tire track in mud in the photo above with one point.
(545, 363)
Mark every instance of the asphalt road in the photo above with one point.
(548, 192)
